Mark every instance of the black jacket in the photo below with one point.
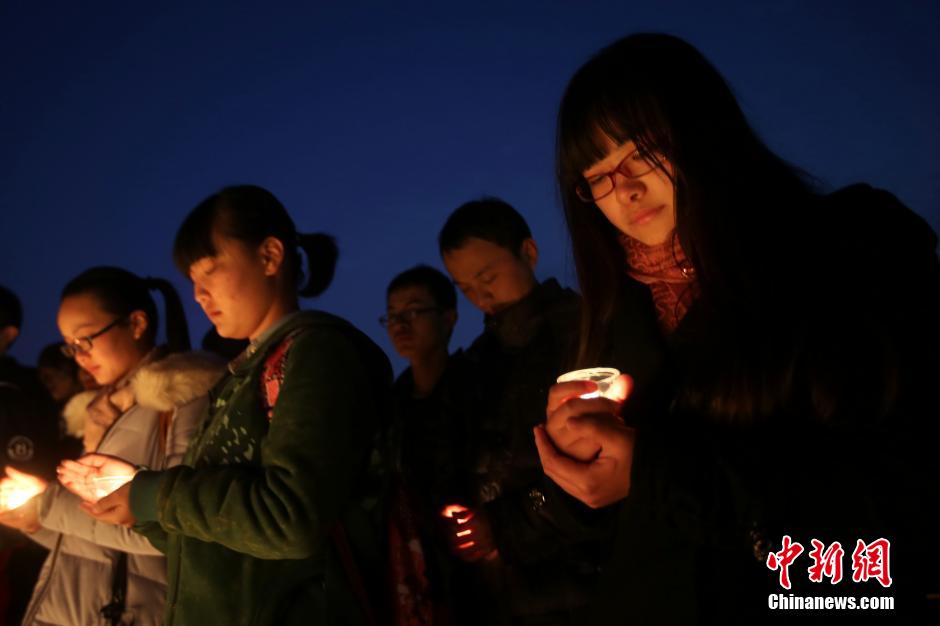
(551, 547)
(837, 448)
(29, 424)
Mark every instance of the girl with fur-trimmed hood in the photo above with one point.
(148, 407)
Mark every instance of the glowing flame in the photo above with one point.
(451, 511)
(102, 486)
(13, 497)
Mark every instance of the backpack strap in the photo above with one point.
(272, 376)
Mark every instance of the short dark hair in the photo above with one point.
(437, 284)
(11, 310)
(489, 219)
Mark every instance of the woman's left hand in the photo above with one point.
(114, 508)
(95, 475)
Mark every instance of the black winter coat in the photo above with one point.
(551, 547)
(841, 450)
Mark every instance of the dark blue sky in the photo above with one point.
(372, 121)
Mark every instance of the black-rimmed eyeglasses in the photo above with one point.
(81, 345)
(405, 317)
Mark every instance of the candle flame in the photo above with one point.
(13, 497)
(453, 510)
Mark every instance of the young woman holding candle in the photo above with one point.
(264, 522)
(801, 336)
(146, 410)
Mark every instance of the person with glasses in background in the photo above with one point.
(421, 312)
(145, 411)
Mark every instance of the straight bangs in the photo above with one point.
(194, 239)
(596, 112)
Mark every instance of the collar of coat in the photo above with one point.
(161, 384)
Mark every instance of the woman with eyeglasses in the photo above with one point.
(271, 517)
(800, 330)
(148, 406)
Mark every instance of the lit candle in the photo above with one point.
(14, 496)
(604, 377)
(457, 512)
(102, 486)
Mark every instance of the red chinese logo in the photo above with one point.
(826, 563)
(782, 560)
(871, 561)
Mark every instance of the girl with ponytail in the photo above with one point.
(146, 410)
(264, 522)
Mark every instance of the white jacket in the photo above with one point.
(77, 578)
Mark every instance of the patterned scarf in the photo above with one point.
(668, 273)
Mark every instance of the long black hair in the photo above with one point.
(250, 214)
(737, 203)
(120, 293)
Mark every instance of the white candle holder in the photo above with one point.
(604, 377)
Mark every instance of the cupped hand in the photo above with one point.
(24, 517)
(19, 502)
(468, 534)
(114, 508)
(95, 475)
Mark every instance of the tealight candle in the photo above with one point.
(102, 486)
(13, 497)
(603, 376)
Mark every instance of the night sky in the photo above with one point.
(373, 121)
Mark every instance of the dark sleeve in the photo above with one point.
(154, 534)
(542, 522)
(316, 448)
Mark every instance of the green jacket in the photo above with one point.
(246, 521)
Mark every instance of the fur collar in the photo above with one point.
(162, 385)
(176, 379)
